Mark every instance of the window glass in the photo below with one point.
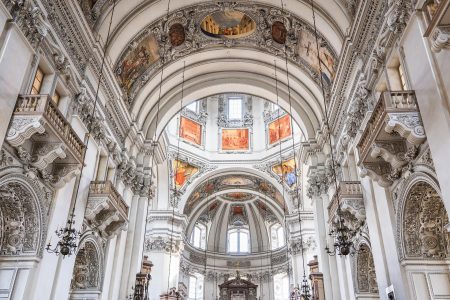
(193, 106)
(234, 108)
(56, 97)
(273, 107)
(197, 234)
(277, 236)
(198, 237)
(238, 240)
(37, 82)
(233, 242)
(243, 242)
(192, 287)
(195, 291)
(401, 73)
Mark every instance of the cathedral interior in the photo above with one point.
(224, 149)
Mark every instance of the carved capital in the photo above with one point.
(440, 39)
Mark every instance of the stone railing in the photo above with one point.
(55, 159)
(42, 105)
(197, 256)
(347, 190)
(391, 136)
(106, 210)
(106, 188)
(389, 102)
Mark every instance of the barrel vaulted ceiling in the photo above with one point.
(210, 65)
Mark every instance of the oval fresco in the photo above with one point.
(176, 34)
(279, 32)
(231, 24)
(238, 196)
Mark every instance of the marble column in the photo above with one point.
(138, 241)
(124, 287)
(322, 243)
(376, 241)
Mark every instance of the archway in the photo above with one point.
(23, 224)
(87, 273)
(424, 240)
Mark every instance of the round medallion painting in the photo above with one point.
(229, 23)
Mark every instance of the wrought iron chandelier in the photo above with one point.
(69, 236)
(341, 234)
(343, 239)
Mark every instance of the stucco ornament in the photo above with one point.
(20, 218)
(87, 268)
(424, 220)
(365, 271)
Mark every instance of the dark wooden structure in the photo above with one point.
(238, 289)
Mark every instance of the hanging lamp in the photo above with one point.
(341, 234)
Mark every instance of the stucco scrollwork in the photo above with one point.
(365, 271)
(423, 224)
(86, 274)
(22, 223)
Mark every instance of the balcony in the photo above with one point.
(106, 210)
(44, 139)
(350, 198)
(391, 135)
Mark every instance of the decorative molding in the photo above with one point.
(166, 245)
(195, 40)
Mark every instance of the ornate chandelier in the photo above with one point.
(343, 239)
(68, 239)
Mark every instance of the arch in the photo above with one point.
(365, 277)
(422, 222)
(228, 71)
(270, 190)
(23, 212)
(88, 268)
(130, 19)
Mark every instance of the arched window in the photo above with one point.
(238, 241)
(195, 287)
(281, 286)
(277, 236)
(198, 237)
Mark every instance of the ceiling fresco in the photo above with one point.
(237, 196)
(228, 182)
(230, 24)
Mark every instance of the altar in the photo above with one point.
(238, 289)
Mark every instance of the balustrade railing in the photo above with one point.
(106, 188)
(389, 102)
(346, 189)
(29, 105)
